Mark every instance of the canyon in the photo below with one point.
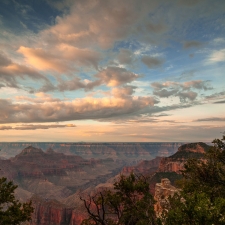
(123, 151)
(175, 162)
(56, 177)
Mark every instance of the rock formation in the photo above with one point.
(145, 167)
(162, 191)
(53, 212)
(54, 177)
(122, 151)
(175, 162)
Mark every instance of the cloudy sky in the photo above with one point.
(112, 70)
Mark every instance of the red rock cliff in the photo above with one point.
(51, 212)
(176, 162)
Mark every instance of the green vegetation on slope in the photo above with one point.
(12, 212)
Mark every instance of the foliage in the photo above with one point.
(130, 203)
(12, 212)
(202, 199)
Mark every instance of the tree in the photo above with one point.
(12, 212)
(130, 203)
(202, 199)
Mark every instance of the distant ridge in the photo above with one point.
(199, 147)
(50, 151)
(31, 150)
(175, 162)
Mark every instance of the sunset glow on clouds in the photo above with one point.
(109, 70)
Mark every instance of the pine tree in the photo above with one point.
(202, 199)
(130, 203)
(12, 212)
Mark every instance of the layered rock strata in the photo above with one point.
(124, 151)
(175, 162)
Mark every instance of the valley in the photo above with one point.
(56, 177)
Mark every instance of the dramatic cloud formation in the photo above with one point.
(87, 108)
(109, 64)
(182, 90)
(11, 73)
(99, 22)
(59, 59)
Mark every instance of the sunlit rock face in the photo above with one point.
(175, 162)
(162, 191)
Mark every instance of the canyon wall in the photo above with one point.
(175, 162)
(122, 151)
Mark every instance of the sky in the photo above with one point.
(112, 70)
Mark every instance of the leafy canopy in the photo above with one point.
(202, 199)
(130, 203)
(12, 212)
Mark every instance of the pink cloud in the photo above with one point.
(79, 109)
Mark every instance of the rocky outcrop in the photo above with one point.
(162, 191)
(33, 162)
(56, 175)
(7, 169)
(175, 162)
(48, 212)
(144, 167)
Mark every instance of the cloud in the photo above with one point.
(41, 126)
(163, 93)
(156, 28)
(4, 60)
(162, 114)
(60, 5)
(210, 119)
(149, 112)
(5, 128)
(152, 62)
(98, 23)
(218, 41)
(76, 84)
(79, 109)
(40, 97)
(189, 2)
(125, 56)
(197, 84)
(182, 90)
(194, 84)
(35, 127)
(219, 102)
(191, 95)
(216, 56)
(115, 76)
(110, 76)
(11, 73)
(62, 58)
(123, 92)
(216, 96)
(71, 85)
(192, 44)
